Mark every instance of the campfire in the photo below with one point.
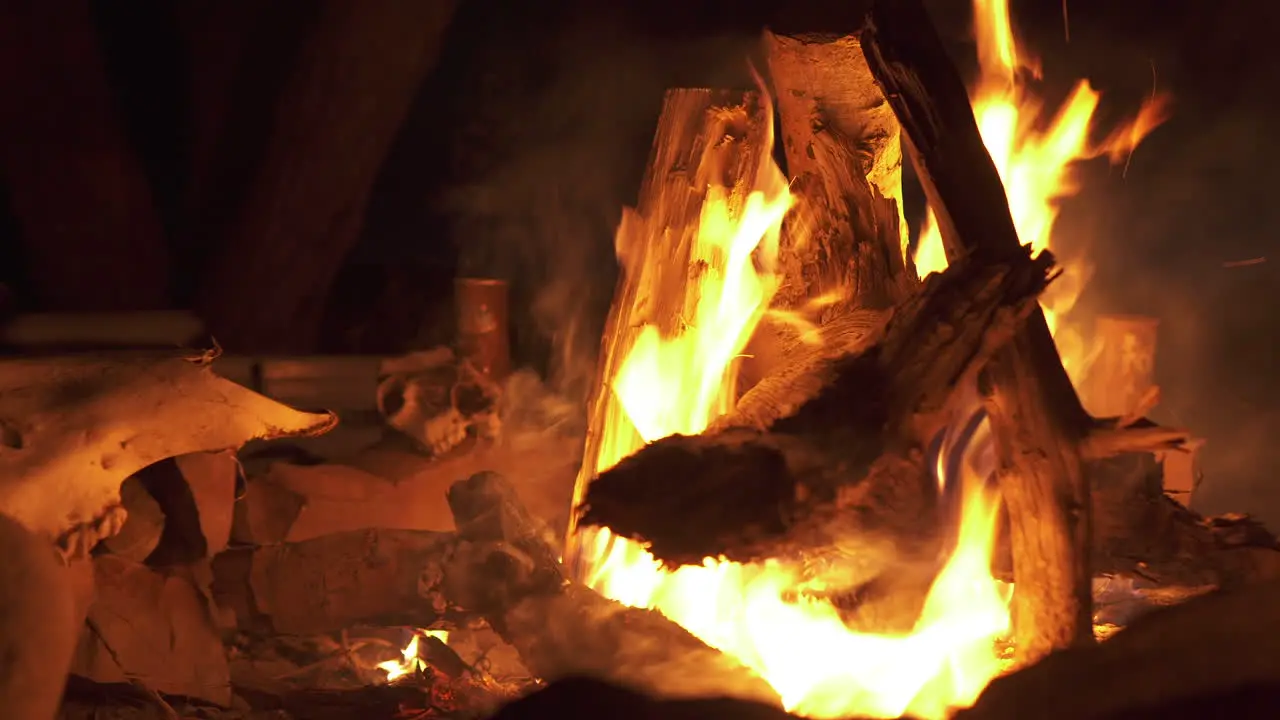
(825, 472)
(672, 365)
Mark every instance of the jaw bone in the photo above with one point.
(73, 428)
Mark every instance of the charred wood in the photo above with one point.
(845, 238)
(507, 570)
(1215, 655)
(587, 697)
(840, 464)
(1036, 417)
(699, 131)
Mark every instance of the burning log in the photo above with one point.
(846, 239)
(1041, 430)
(839, 465)
(507, 570)
(698, 130)
(1215, 656)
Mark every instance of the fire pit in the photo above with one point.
(823, 473)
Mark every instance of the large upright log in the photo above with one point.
(90, 233)
(339, 111)
(698, 130)
(847, 236)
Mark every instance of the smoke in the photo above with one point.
(1163, 231)
(570, 153)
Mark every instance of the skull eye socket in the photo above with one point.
(10, 436)
(471, 400)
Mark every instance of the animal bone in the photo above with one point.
(73, 428)
(437, 401)
(40, 619)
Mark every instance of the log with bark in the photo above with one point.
(703, 136)
(506, 569)
(839, 463)
(1042, 432)
(1215, 656)
(846, 238)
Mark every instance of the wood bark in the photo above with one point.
(838, 464)
(89, 229)
(1037, 420)
(846, 239)
(506, 569)
(698, 129)
(334, 122)
(1212, 657)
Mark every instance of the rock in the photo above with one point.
(154, 627)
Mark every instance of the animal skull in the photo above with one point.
(73, 428)
(437, 401)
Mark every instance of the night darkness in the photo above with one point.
(523, 141)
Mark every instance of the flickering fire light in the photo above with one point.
(1035, 165)
(410, 662)
(680, 382)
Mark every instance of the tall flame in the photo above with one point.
(679, 382)
(1035, 165)
(666, 381)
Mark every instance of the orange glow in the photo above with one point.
(1035, 165)
(410, 662)
(678, 381)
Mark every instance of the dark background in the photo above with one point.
(530, 130)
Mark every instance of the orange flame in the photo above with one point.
(679, 381)
(1035, 165)
(410, 661)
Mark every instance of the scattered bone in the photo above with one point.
(81, 425)
(140, 533)
(39, 621)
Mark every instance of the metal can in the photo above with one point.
(483, 325)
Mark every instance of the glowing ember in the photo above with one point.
(410, 662)
(678, 382)
(1035, 165)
